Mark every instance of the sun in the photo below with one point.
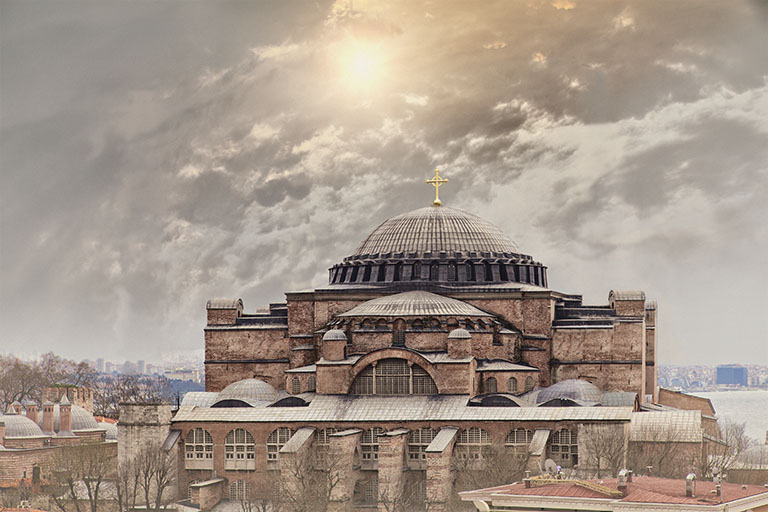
(362, 65)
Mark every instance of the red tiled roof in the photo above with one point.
(642, 489)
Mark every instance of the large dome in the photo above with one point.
(437, 246)
(437, 229)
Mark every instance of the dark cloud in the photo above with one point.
(158, 154)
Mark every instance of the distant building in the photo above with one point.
(140, 367)
(731, 374)
(99, 365)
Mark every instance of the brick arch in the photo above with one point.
(392, 353)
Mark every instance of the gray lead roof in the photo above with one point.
(436, 229)
(415, 303)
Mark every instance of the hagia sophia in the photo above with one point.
(434, 340)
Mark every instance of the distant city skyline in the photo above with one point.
(158, 154)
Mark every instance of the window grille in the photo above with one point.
(393, 377)
(369, 443)
(311, 383)
(295, 386)
(512, 385)
(470, 270)
(398, 333)
(276, 441)
(239, 490)
(518, 440)
(239, 450)
(564, 446)
(416, 274)
(198, 449)
(472, 443)
(452, 272)
(418, 441)
(323, 437)
(528, 383)
(434, 272)
(491, 385)
(366, 492)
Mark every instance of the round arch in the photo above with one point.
(392, 353)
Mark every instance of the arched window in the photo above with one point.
(369, 444)
(488, 271)
(416, 274)
(518, 440)
(189, 487)
(503, 272)
(240, 490)
(452, 271)
(434, 272)
(366, 493)
(198, 449)
(528, 383)
(490, 385)
(472, 444)
(470, 270)
(398, 272)
(418, 440)
(295, 386)
(239, 450)
(276, 441)
(367, 273)
(417, 325)
(382, 272)
(564, 447)
(398, 333)
(393, 377)
(512, 385)
(311, 383)
(323, 437)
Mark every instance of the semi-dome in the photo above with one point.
(459, 334)
(249, 391)
(437, 244)
(414, 303)
(334, 335)
(433, 230)
(575, 389)
(17, 425)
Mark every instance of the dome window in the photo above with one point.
(393, 377)
(434, 272)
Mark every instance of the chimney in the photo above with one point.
(649, 470)
(629, 476)
(32, 411)
(690, 480)
(48, 417)
(65, 415)
(622, 483)
(2, 432)
(17, 407)
(527, 482)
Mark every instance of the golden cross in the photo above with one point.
(436, 182)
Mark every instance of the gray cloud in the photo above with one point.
(160, 154)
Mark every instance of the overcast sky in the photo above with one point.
(155, 154)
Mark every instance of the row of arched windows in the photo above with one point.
(393, 377)
(296, 385)
(477, 272)
(471, 444)
(491, 385)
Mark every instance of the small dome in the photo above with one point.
(459, 334)
(335, 335)
(248, 390)
(17, 425)
(571, 388)
(80, 419)
(111, 429)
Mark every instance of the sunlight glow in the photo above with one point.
(362, 65)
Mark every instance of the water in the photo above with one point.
(748, 407)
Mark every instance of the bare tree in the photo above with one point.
(307, 481)
(78, 474)
(493, 465)
(603, 448)
(156, 474)
(721, 452)
(110, 391)
(127, 485)
(665, 448)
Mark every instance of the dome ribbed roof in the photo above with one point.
(436, 229)
(248, 390)
(335, 335)
(416, 303)
(111, 430)
(571, 388)
(17, 425)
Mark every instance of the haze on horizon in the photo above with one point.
(157, 154)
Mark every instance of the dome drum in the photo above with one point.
(443, 271)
